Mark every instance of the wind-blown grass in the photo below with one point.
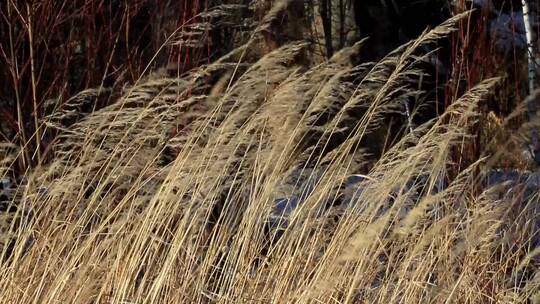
(166, 195)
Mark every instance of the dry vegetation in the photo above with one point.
(168, 195)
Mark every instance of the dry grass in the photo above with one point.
(132, 210)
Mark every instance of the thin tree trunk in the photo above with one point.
(532, 74)
(325, 9)
(342, 17)
(531, 50)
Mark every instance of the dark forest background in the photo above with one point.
(51, 50)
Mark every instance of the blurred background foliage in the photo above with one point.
(50, 50)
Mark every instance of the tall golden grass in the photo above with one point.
(166, 195)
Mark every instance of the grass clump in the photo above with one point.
(171, 194)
